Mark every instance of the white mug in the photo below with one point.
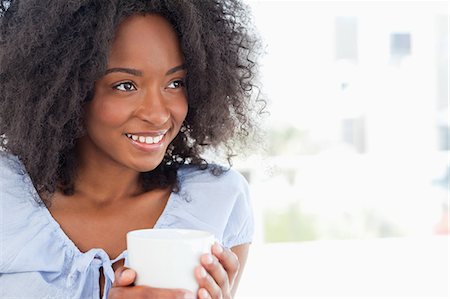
(167, 258)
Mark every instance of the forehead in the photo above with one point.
(149, 38)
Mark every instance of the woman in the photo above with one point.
(105, 112)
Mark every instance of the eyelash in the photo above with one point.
(178, 81)
(122, 83)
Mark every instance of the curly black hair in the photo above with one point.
(52, 52)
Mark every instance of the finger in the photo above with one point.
(124, 277)
(148, 292)
(228, 259)
(203, 294)
(215, 269)
(208, 287)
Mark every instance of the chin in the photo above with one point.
(146, 166)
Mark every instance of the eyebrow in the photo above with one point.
(176, 69)
(133, 72)
(139, 73)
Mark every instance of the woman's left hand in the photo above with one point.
(217, 273)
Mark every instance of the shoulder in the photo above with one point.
(213, 178)
(15, 184)
(10, 165)
(14, 180)
(22, 225)
(219, 203)
(208, 186)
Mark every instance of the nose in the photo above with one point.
(153, 108)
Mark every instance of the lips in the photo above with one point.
(147, 141)
(148, 133)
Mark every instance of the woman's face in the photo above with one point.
(140, 103)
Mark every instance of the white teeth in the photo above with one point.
(149, 140)
(157, 139)
(145, 139)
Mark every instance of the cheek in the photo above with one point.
(109, 114)
(180, 111)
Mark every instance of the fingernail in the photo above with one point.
(126, 274)
(189, 296)
(219, 248)
(203, 293)
(202, 272)
(208, 259)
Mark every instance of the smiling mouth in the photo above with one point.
(146, 139)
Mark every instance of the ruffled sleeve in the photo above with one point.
(218, 204)
(240, 226)
(27, 237)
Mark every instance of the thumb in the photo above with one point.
(124, 277)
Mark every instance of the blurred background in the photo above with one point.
(351, 193)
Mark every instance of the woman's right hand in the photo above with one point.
(123, 288)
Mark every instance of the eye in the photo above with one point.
(176, 84)
(125, 86)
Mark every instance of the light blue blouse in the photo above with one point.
(38, 260)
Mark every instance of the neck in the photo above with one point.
(103, 181)
(106, 185)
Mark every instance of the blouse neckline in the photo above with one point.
(65, 238)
